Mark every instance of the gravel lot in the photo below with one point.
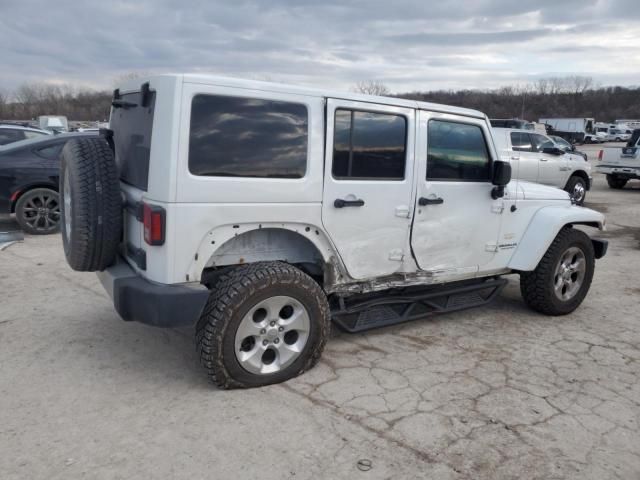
(497, 392)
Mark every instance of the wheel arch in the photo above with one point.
(543, 229)
(579, 173)
(305, 246)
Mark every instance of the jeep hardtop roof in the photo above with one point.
(204, 79)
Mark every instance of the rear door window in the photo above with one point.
(521, 142)
(247, 137)
(368, 145)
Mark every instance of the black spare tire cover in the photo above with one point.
(91, 220)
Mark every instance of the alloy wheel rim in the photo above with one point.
(578, 192)
(42, 212)
(569, 274)
(272, 335)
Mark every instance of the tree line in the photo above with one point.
(562, 97)
(573, 96)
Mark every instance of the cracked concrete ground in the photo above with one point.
(491, 393)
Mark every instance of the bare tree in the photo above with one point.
(371, 87)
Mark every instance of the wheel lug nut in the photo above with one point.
(277, 340)
(264, 342)
(263, 331)
(272, 323)
(280, 329)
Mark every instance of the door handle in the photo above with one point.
(544, 160)
(422, 201)
(340, 203)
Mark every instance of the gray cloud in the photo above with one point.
(407, 44)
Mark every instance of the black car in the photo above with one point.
(29, 172)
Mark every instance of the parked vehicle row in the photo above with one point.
(537, 158)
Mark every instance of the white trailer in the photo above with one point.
(574, 130)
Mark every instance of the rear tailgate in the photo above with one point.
(620, 158)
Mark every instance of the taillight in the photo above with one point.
(600, 155)
(153, 219)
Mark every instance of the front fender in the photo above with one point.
(544, 227)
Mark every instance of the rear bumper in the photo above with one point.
(139, 300)
(622, 172)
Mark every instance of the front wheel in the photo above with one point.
(264, 323)
(577, 188)
(562, 279)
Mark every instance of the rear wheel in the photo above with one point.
(562, 279)
(264, 323)
(38, 211)
(616, 182)
(577, 188)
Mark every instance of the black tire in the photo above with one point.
(91, 220)
(537, 287)
(616, 182)
(38, 211)
(577, 188)
(235, 294)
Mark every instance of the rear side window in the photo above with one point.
(521, 142)
(132, 128)
(8, 135)
(247, 137)
(369, 145)
(456, 151)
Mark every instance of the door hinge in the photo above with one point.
(497, 208)
(491, 247)
(396, 255)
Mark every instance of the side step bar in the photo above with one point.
(381, 309)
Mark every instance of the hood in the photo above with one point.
(535, 191)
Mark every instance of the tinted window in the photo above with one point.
(51, 151)
(456, 151)
(521, 142)
(8, 135)
(132, 128)
(369, 145)
(540, 142)
(247, 137)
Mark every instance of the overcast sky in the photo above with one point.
(408, 45)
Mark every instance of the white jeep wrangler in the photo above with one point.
(260, 212)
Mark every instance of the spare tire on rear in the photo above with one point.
(91, 220)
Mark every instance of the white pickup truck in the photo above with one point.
(536, 158)
(621, 164)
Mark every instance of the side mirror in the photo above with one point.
(501, 177)
(553, 151)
